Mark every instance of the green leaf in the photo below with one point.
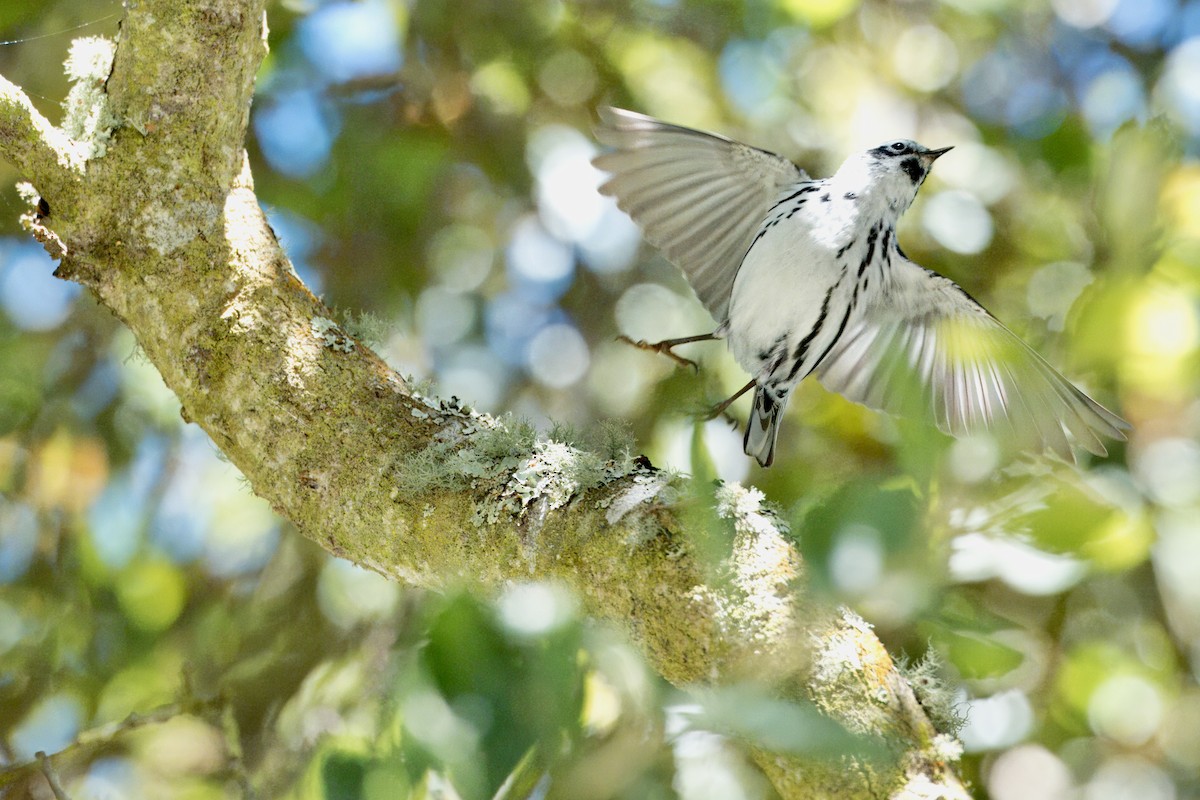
(976, 655)
(342, 776)
(749, 714)
(515, 690)
(891, 509)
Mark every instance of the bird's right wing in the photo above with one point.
(698, 197)
(925, 346)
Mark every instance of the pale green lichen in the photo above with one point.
(839, 658)
(33, 220)
(927, 767)
(28, 193)
(920, 786)
(370, 329)
(611, 440)
(512, 470)
(547, 475)
(471, 449)
(87, 119)
(934, 690)
(541, 482)
(331, 335)
(755, 604)
(645, 487)
(547, 478)
(90, 58)
(748, 507)
(423, 389)
(946, 748)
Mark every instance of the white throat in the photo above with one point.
(880, 193)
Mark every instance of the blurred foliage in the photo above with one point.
(426, 165)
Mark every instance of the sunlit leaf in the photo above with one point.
(755, 717)
(152, 593)
(977, 656)
(818, 13)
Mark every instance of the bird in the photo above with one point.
(805, 276)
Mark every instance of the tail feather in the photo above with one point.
(763, 427)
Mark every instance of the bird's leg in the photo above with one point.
(720, 407)
(665, 346)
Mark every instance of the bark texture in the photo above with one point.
(154, 211)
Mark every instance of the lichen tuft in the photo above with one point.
(945, 748)
(87, 119)
(748, 508)
(937, 695)
(370, 329)
(513, 472)
(331, 335)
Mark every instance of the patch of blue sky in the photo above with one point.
(296, 129)
(349, 41)
(32, 298)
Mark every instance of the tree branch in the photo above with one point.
(32, 144)
(37, 148)
(426, 493)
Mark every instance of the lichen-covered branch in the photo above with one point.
(32, 144)
(157, 216)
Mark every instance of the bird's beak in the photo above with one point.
(929, 156)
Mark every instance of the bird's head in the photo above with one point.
(890, 173)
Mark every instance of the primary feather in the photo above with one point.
(697, 196)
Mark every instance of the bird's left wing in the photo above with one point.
(698, 197)
(925, 345)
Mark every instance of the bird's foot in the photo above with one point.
(663, 347)
(720, 409)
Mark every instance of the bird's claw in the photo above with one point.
(720, 410)
(663, 348)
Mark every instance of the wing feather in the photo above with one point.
(698, 197)
(924, 346)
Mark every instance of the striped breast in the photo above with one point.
(797, 287)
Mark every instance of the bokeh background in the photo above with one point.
(426, 165)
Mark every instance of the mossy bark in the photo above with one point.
(166, 231)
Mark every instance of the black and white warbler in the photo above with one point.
(805, 276)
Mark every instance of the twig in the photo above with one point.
(98, 737)
(52, 777)
(233, 746)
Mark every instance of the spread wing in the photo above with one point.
(697, 196)
(926, 345)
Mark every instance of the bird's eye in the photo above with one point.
(899, 147)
